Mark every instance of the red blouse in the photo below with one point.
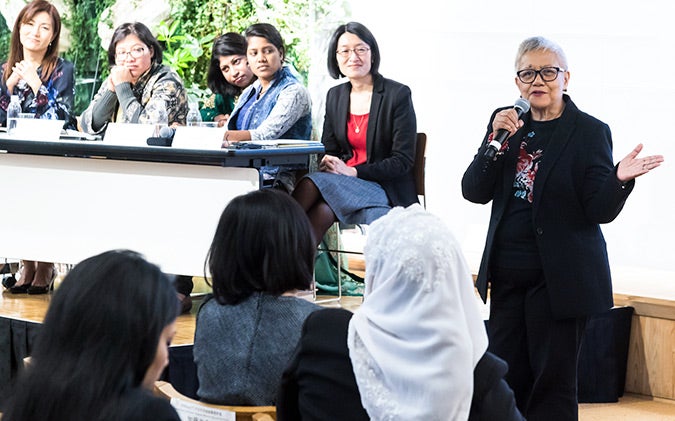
(357, 127)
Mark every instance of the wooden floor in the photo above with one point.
(631, 407)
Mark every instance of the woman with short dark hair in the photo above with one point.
(102, 345)
(369, 133)
(138, 85)
(261, 255)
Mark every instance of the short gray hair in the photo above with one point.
(541, 44)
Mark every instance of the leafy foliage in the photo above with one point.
(195, 24)
(5, 34)
(85, 51)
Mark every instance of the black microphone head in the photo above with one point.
(523, 105)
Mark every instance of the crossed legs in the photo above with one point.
(320, 215)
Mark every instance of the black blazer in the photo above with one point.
(575, 190)
(319, 382)
(390, 141)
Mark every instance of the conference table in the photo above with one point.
(65, 201)
(68, 200)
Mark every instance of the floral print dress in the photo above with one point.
(54, 99)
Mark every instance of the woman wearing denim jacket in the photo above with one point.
(277, 105)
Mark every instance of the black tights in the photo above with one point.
(320, 215)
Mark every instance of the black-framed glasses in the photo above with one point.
(135, 52)
(359, 51)
(548, 74)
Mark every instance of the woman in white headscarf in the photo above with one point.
(417, 345)
(418, 335)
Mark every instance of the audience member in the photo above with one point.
(415, 348)
(277, 105)
(229, 73)
(138, 86)
(551, 185)
(369, 133)
(45, 85)
(246, 332)
(103, 344)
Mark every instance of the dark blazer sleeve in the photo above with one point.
(319, 382)
(480, 178)
(391, 135)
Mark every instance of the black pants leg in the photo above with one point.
(542, 352)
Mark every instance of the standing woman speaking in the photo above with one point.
(45, 84)
(551, 185)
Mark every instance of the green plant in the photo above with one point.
(182, 52)
(85, 51)
(5, 34)
(195, 24)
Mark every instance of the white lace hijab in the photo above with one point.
(418, 335)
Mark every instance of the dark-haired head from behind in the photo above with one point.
(264, 243)
(98, 339)
(366, 36)
(142, 32)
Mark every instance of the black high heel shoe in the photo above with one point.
(42, 289)
(20, 289)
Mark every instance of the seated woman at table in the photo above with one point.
(247, 330)
(228, 75)
(277, 105)
(102, 345)
(369, 133)
(45, 84)
(139, 84)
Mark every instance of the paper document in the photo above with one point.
(284, 143)
(189, 411)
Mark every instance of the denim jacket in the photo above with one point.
(283, 112)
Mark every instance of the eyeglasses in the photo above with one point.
(548, 74)
(346, 52)
(135, 52)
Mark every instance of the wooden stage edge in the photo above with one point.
(651, 355)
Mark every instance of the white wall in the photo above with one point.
(457, 57)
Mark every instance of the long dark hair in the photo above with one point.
(263, 243)
(51, 57)
(142, 32)
(228, 44)
(366, 36)
(98, 339)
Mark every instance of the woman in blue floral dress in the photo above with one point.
(44, 82)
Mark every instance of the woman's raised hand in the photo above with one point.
(632, 167)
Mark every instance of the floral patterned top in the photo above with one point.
(54, 100)
(138, 102)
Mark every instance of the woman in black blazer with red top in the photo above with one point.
(369, 133)
(545, 259)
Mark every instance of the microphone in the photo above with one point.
(165, 137)
(521, 106)
(168, 132)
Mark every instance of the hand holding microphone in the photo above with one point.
(522, 106)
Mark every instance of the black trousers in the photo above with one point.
(542, 352)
